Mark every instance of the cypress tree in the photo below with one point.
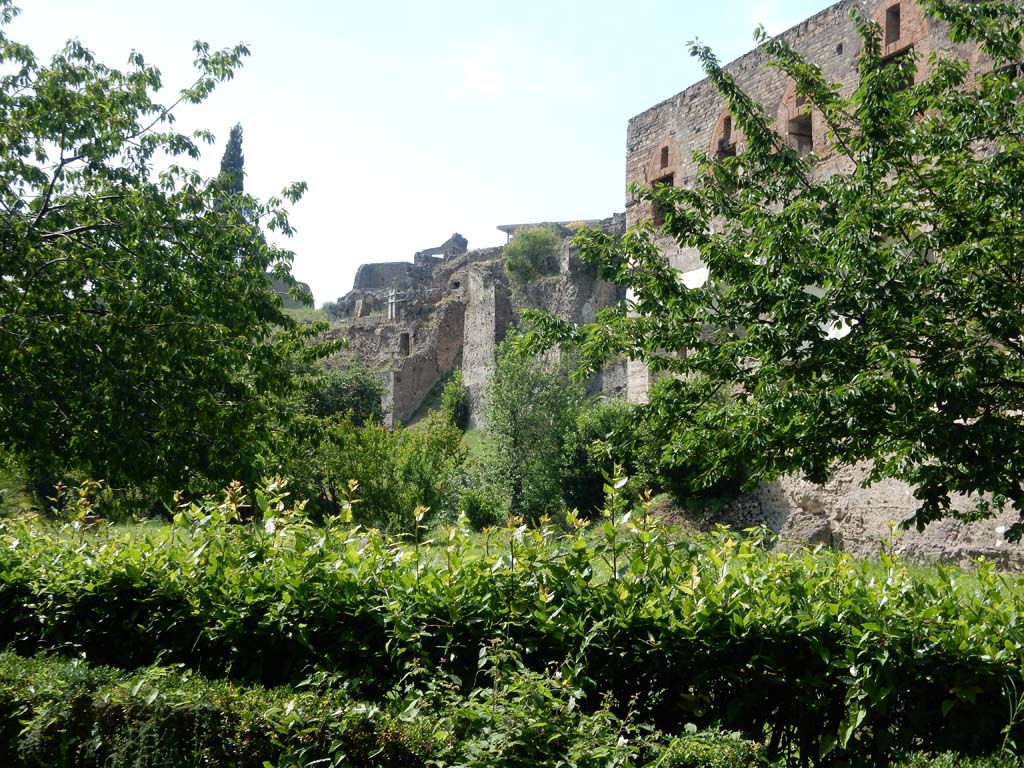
(232, 165)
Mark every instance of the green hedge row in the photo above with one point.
(58, 713)
(831, 658)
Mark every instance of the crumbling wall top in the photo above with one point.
(456, 245)
(379, 277)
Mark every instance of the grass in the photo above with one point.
(306, 314)
(476, 442)
(15, 498)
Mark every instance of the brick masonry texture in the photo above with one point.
(660, 146)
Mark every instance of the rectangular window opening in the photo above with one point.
(726, 146)
(801, 134)
(403, 345)
(892, 24)
(903, 61)
(664, 157)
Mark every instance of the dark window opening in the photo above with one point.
(403, 345)
(892, 24)
(801, 134)
(456, 285)
(659, 208)
(726, 146)
(902, 66)
(1012, 70)
(839, 50)
(664, 157)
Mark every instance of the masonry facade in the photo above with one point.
(661, 143)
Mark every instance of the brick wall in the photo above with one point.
(661, 142)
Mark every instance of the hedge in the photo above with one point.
(828, 657)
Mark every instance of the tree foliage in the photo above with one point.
(139, 340)
(531, 253)
(400, 472)
(352, 391)
(531, 414)
(232, 164)
(455, 401)
(872, 315)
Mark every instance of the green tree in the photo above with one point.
(873, 315)
(232, 164)
(531, 253)
(352, 391)
(531, 414)
(139, 340)
(455, 401)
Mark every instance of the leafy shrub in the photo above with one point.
(352, 391)
(593, 449)
(60, 714)
(529, 718)
(15, 497)
(482, 508)
(531, 253)
(953, 760)
(828, 659)
(397, 469)
(712, 749)
(634, 437)
(455, 401)
(67, 713)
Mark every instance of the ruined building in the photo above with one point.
(414, 323)
(660, 146)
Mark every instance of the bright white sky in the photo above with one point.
(414, 119)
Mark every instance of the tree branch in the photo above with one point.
(45, 207)
(47, 236)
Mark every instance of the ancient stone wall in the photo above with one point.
(456, 245)
(661, 143)
(378, 277)
(429, 354)
(845, 515)
(415, 323)
(489, 315)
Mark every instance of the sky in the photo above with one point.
(413, 119)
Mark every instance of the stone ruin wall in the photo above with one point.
(461, 303)
(415, 323)
(661, 141)
(489, 315)
(660, 145)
